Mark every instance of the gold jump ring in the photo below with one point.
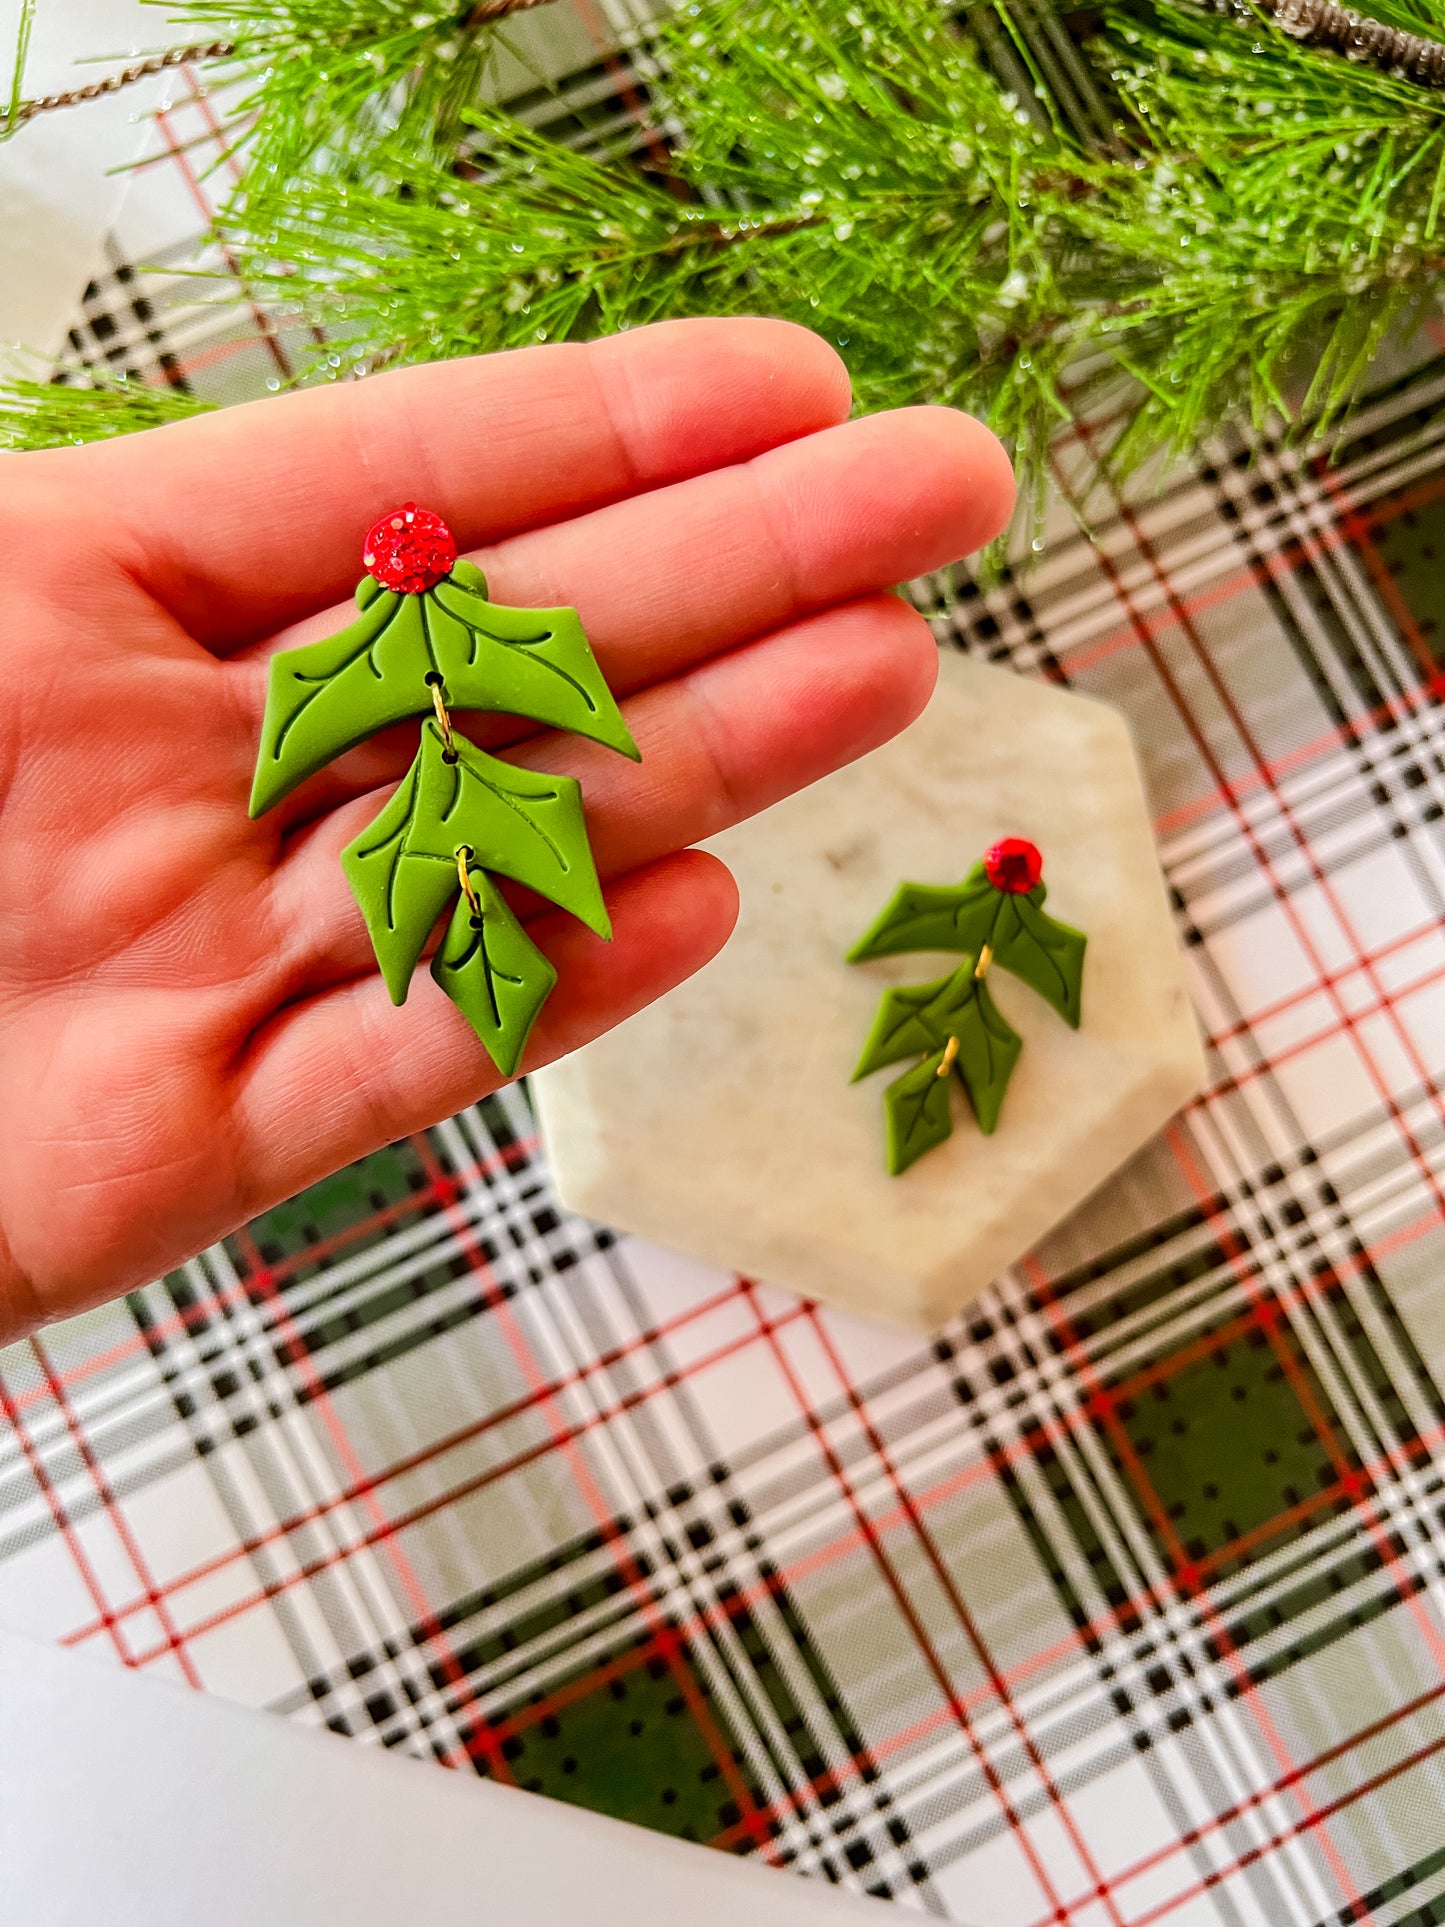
(444, 721)
(469, 889)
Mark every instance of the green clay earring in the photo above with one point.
(995, 915)
(427, 640)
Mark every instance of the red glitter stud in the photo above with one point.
(410, 550)
(1013, 865)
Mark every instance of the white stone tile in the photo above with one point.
(721, 1121)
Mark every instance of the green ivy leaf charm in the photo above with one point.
(917, 1112)
(426, 639)
(955, 1009)
(328, 696)
(403, 867)
(898, 1029)
(995, 915)
(988, 1049)
(493, 972)
(1048, 955)
(929, 916)
(528, 662)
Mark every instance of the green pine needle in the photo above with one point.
(326, 79)
(50, 414)
(23, 32)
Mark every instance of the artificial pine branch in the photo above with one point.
(1233, 225)
(1191, 216)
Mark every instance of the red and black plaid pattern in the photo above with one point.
(1119, 1603)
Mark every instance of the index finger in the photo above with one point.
(245, 520)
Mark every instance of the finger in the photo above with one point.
(341, 1074)
(247, 519)
(718, 745)
(669, 580)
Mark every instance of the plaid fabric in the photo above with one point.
(1119, 1603)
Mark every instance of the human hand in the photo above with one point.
(191, 1023)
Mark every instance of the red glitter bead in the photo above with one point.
(1013, 865)
(410, 550)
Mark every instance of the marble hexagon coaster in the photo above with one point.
(721, 1121)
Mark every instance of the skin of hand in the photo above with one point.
(191, 1023)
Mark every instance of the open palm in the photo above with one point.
(191, 1023)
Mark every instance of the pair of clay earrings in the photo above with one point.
(427, 639)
